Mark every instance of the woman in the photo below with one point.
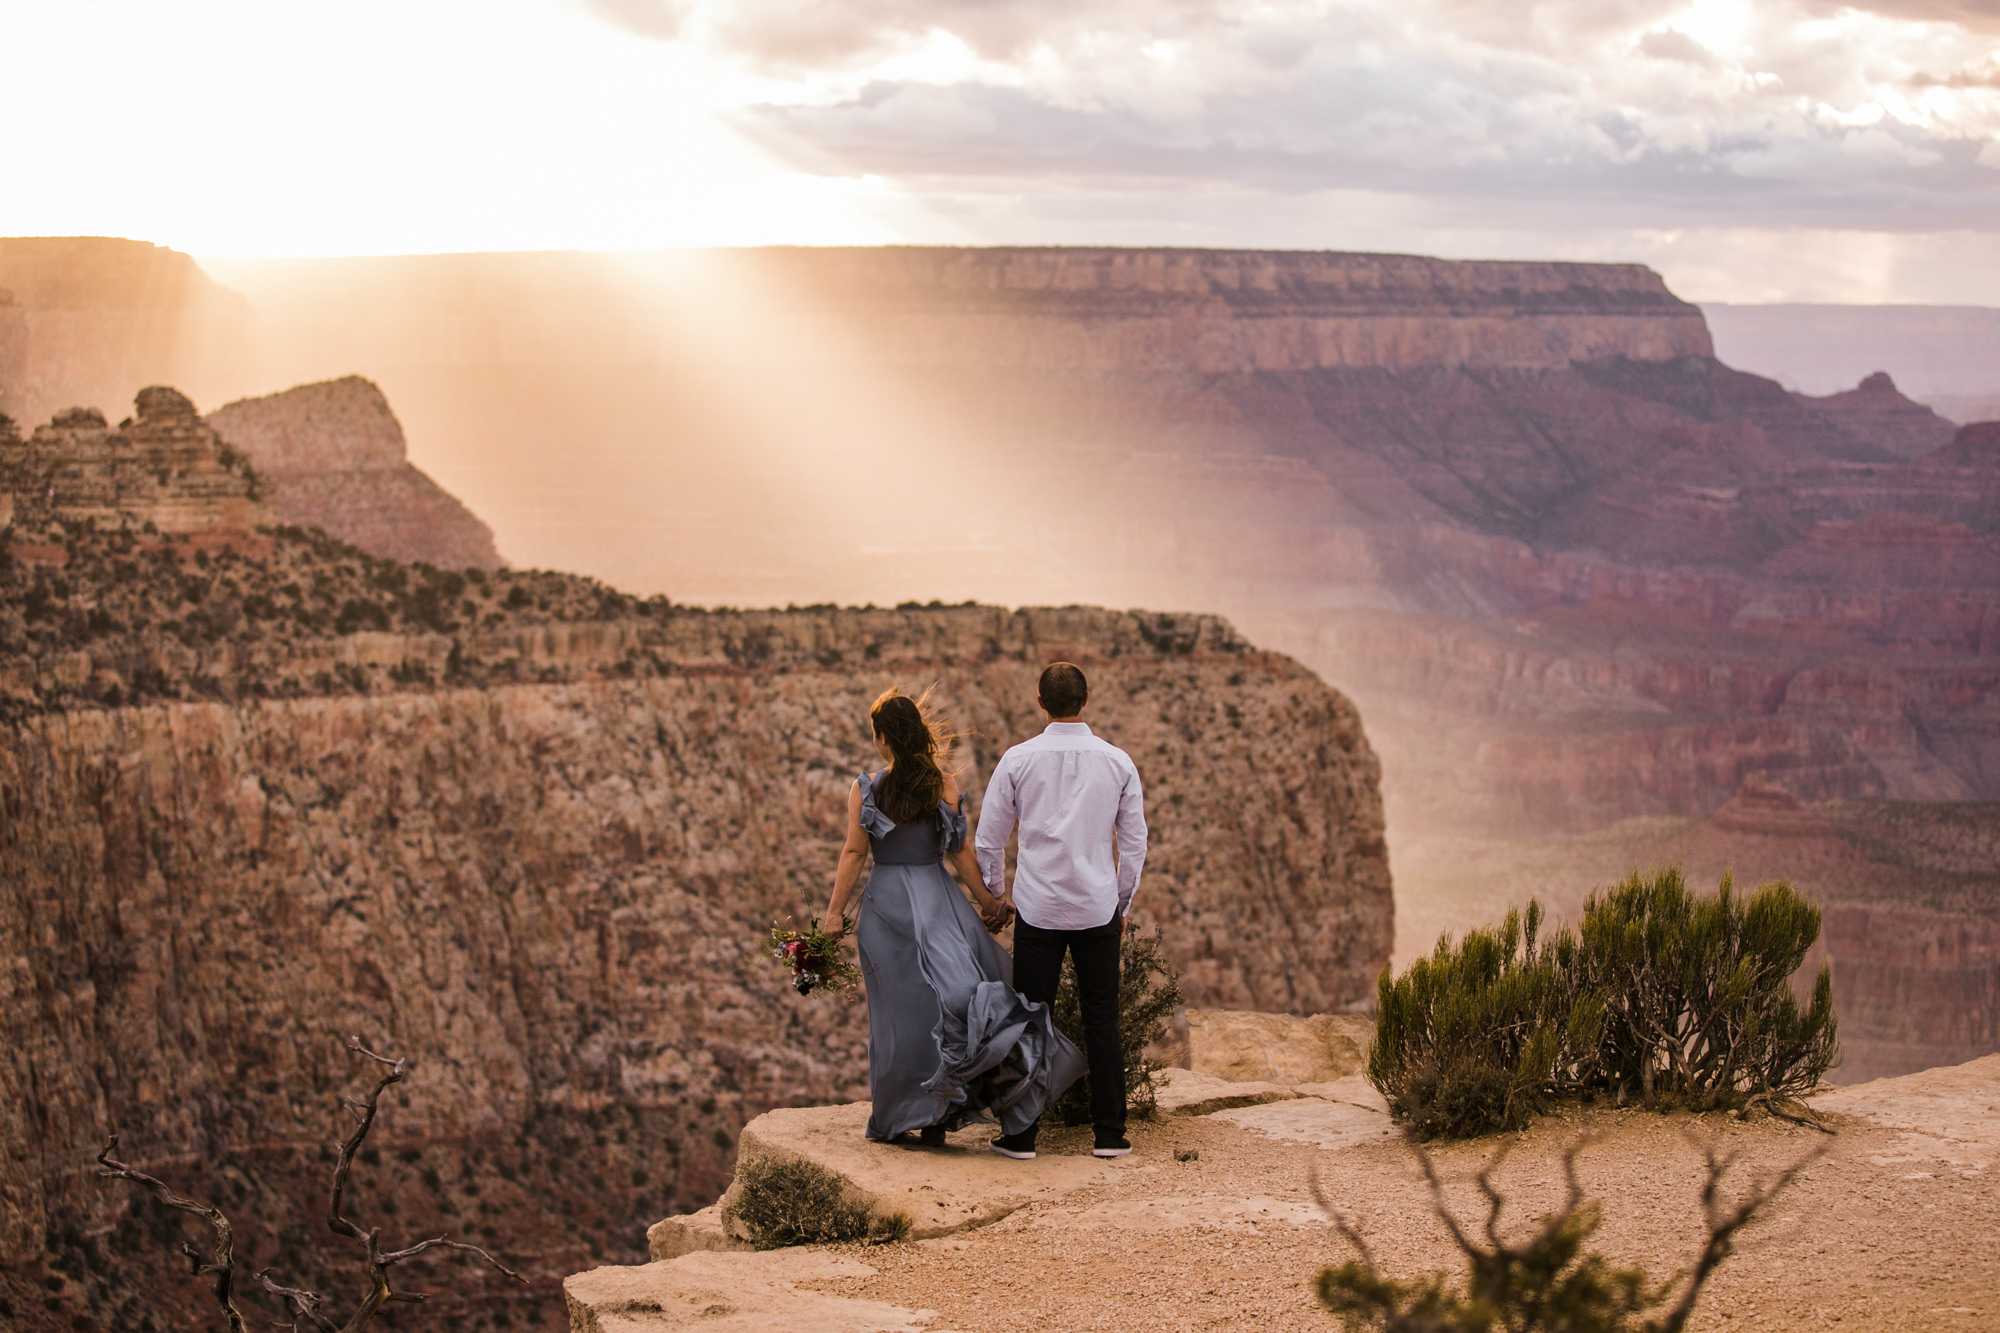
(950, 1040)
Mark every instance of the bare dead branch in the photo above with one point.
(1782, 1107)
(1725, 1221)
(397, 1256)
(299, 1303)
(1339, 1219)
(1444, 1212)
(364, 1115)
(305, 1307)
(222, 1265)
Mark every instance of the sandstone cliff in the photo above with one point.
(529, 832)
(162, 471)
(336, 459)
(1232, 311)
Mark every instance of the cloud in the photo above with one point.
(661, 20)
(1669, 44)
(1972, 15)
(1782, 109)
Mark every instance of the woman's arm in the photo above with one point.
(965, 862)
(853, 855)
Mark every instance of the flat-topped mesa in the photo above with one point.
(1224, 311)
(163, 467)
(336, 459)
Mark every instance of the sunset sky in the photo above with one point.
(1781, 150)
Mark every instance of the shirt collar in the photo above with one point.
(1068, 729)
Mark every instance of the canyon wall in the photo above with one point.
(531, 833)
(336, 459)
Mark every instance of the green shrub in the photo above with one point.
(1148, 992)
(1477, 1037)
(1660, 994)
(1701, 1011)
(789, 1201)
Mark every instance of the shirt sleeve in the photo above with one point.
(1130, 832)
(997, 816)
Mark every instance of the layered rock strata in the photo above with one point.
(162, 471)
(336, 459)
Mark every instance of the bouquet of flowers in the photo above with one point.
(814, 957)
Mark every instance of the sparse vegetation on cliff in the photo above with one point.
(784, 1201)
(120, 616)
(1661, 994)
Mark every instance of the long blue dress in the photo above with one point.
(950, 1040)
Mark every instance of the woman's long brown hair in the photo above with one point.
(915, 781)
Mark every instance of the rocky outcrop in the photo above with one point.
(162, 470)
(1876, 410)
(1285, 1049)
(1218, 1207)
(1937, 352)
(336, 459)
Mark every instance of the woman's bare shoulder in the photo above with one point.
(951, 789)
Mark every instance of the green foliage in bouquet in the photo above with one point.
(789, 1201)
(1148, 991)
(1661, 994)
(815, 957)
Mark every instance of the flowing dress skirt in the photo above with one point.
(949, 1038)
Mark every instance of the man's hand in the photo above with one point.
(1121, 927)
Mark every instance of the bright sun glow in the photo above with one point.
(380, 128)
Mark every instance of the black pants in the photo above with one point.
(1038, 958)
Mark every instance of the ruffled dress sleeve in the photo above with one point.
(873, 821)
(951, 823)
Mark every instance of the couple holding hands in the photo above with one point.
(958, 1031)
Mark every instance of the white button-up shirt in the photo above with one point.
(1073, 795)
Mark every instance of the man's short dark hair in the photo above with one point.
(1063, 689)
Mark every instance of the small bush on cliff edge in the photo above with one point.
(1700, 1010)
(1479, 1036)
(1662, 994)
(789, 1201)
(1148, 991)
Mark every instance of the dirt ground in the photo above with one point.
(1874, 1235)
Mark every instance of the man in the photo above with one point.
(1074, 796)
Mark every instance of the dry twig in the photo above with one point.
(221, 1266)
(302, 1305)
(1544, 1281)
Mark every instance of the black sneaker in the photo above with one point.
(1020, 1147)
(932, 1136)
(1111, 1145)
